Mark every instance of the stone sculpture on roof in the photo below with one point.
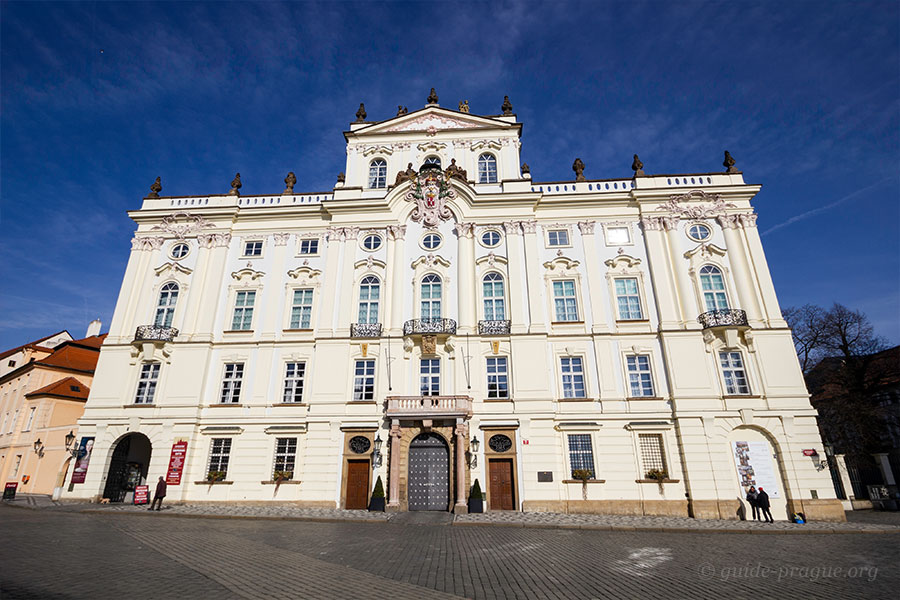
(637, 166)
(464, 106)
(155, 189)
(506, 107)
(235, 185)
(432, 97)
(361, 113)
(578, 167)
(401, 110)
(729, 163)
(290, 181)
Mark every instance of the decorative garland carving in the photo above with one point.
(281, 239)
(674, 205)
(194, 223)
(147, 243)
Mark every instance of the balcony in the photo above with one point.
(429, 326)
(428, 407)
(732, 317)
(365, 330)
(155, 333)
(493, 327)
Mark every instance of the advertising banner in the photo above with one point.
(755, 467)
(176, 462)
(141, 494)
(84, 458)
(9, 491)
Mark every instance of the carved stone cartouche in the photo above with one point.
(155, 189)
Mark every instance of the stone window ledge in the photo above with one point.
(362, 402)
(289, 404)
(298, 330)
(138, 405)
(657, 481)
(497, 400)
(635, 321)
(557, 323)
(575, 399)
(213, 483)
(645, 398)
(234, 331)
(285, 482)
(223, 404)
(588, 481)
(741, 397)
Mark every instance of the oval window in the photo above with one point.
(500, 443)
(360, 444)
(180, 250)
(431, 241)
(699, 232)
(372, 242)
(490, 238)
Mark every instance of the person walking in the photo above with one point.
(762, 499)
(160, 494)
(753, 500)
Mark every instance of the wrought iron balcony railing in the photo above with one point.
(493, 327)
(428, 406)
(732, 317)
(155, 333)
(432, 326)
(365, 330)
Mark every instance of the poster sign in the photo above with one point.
(754, 466)
(176, 462)
(141, 494)
(9, 491)
(85, 449)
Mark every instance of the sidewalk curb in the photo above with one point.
(637, 528)
(100, 511)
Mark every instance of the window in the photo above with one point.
(713, 286)
(146, 388)
(165, 307)
(494, 307)
(378, 173)
(653, 458)
(564, 300)
(581, 453)
(431, 297)
(11, 363)
(558, 237)
(243, 311)
(30, 418)
(17, 465)
(301, 309)
(431, 241)
(640, 379)
(433, 160)
(617, 236)
(699, 232)
(372, 242)
(219, 451)
(628, 299)
(572, 377)
(285, 456)
(734, 374)
(430, 376)
(487, 169)
(364, 381)
(497, 377)
(309, 246)
(294, 373)
(12, 424)
(490, 238)
(180, 250)
(253, 249)
(231, 383)
(5, 419)
(369, 291)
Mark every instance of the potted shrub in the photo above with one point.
(214, 476)
(476, 499)
(376, 504)
(584, 475)
(279, 476)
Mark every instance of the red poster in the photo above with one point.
(141, 494)
(176, 463)
(9, 492)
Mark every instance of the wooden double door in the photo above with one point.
(357, 484)
(501, 490)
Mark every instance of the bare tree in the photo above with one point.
(806, 327)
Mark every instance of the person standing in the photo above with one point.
(160, 494)
(753, 500)
(762, 499)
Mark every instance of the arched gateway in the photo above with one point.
(429, 473)
(127, 467)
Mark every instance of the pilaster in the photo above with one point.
(661, 273)
(466, 273)
(335, 237)
(515, 256)
(397, 233)
(346, 293)
(742, 277)
(218, 244)
(596, 286)
(536, 307)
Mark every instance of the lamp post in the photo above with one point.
(376, 455)
(39, 448)
(73, 451)
(473, 452)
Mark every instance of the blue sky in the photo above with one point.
(100, 98)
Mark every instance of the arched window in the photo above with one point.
(431, 297)
(165, 308)
(378, 173)
(433, 160)
(369, 294)
(494, 307)
(713, 285)
(487, 169)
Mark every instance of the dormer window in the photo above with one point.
(487, 169)
(378, 173)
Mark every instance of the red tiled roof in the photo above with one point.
(34, 344)
(95, 341)
(64, 388)
(73, 357)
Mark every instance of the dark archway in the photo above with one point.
(127, 467)
(429, 473)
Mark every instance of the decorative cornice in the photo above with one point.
(146, 243)
(624, 259)
(247, 272)
(561, 263)
(193, 224)
(705, 251)
(367, 150)
(369, 263)
(304, 272)
(171, 266)
(491, 259)
(430, 260)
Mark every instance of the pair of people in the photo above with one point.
(759, 502)
(160, 494)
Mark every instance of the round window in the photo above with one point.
(699, 232)
(372, 242)
(360, 444)
(431, 241)
(180, 250)
(500, 443)
(490, 238)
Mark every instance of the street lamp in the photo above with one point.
(39, 447)
(71, 448)
(376, 455)
(473, 452)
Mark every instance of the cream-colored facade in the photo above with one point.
(572, 325)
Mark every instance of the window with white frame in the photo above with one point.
(146, 388)
(364, 381)
(17, 465)
(301, 309)
(734, 374)
(640, 379)
(713, 285)
(653, 455)
(231, 383)
(564, 300)
(242, 318)
(572, 377)
(628, 299)
(285, 457)
(487, 168)
(369, 294)
(310, 246)
(179, 251)
(558, 237)
(431, 297)
(431, 240)
(497, 377)
(581, 454)
(699, 232)
(219, 453)
(617, 235)
(253, 248)
(165, 306)
(378, 173)
(372, 242)
(294, 374)
(12, 424)
(494, 303)
(430, 377)
(30, 422)
(490, 238)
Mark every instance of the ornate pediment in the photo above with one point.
(171, 267)
(433, 119)
(705, 251)
(430, 260)
(305, 274)
(247, 274)
(561, 264)
(622, 260)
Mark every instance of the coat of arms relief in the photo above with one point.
(430, 191)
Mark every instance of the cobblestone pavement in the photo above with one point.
(64, 554)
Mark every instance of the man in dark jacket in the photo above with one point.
(752, 499)
(762, 499)
(160, 494)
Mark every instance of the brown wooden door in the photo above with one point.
(501, 484)
(357, 484)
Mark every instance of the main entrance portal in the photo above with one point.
(429, 473)
(127, 467)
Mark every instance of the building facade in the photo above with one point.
(610, 346)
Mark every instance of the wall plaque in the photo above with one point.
(545, 476)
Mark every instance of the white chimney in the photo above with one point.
(94, 328)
